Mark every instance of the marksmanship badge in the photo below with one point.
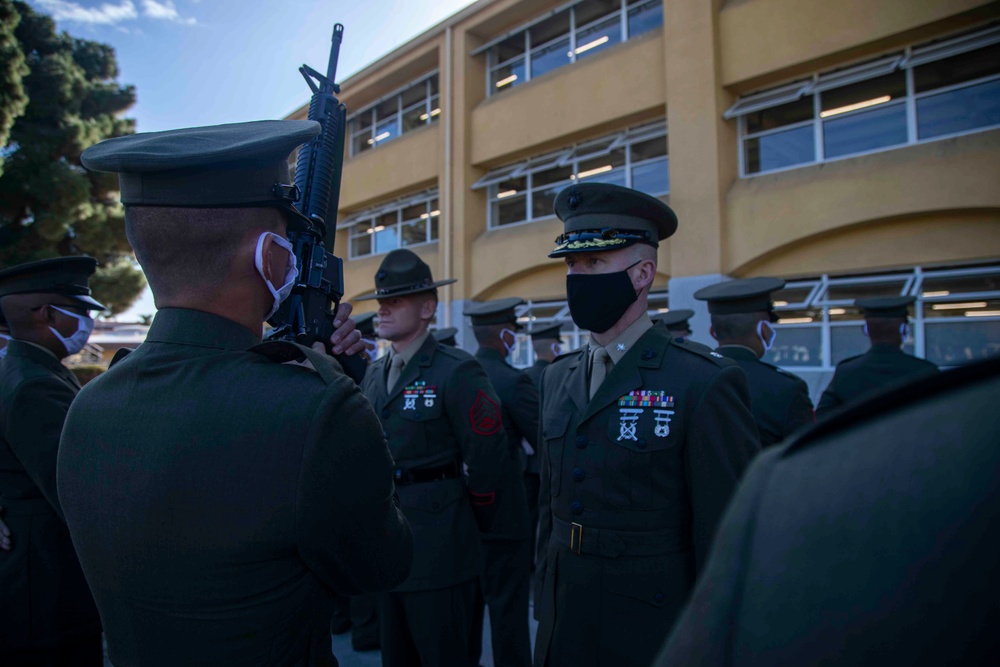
(632, 405)
(417, 391)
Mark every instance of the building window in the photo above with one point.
(400, 224)
(394, 115)
(525, 191)
(956, 318)
(579, 31)
(929, 91)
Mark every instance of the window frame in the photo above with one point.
(906, 61)
(429, 98)
(358, 223)
(567, 157)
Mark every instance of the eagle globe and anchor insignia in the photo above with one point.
(632, 406)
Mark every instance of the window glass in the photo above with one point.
(957, 69)
(414, 232)
(598, 37)
(414, 118)
(591, 10)
(847, 341)
(954, 343)
(542, 201)
(435, 111)
(414, 94)
(937, 286)
(791, 295)
(434, 84)
(512, 47)
(615, 177)
(796, 346)
(549, 29)
(510, 210)
(361, 142)
(434, 227)
(780, 116)
(959, 110)
(415, 212)
(653, 178)
(871, 92)
(615, 158)
(361, 245)
(511, 187)
(852, 291)
(549, 57)
(554, 175)
(645, 150)
(363, 121)
(781, 149)
(645, 17)
(507, 76)
(387, 238)
(385, 131)
(960, 306)
(387, 109)
(865, 130)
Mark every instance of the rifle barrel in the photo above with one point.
(331, 68)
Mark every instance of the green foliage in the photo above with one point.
(12, 71)
(49, 204)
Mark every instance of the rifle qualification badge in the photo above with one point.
(417, 391)
(631, 407)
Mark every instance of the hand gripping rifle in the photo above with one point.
(306, 316)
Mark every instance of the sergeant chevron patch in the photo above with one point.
(484, 415)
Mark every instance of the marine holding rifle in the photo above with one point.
(218, 496)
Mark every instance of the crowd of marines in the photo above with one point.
(649, 499)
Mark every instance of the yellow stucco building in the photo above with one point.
(852, 148)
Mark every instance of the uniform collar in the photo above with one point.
(33, 352)
(490, 353)
(183, 326)
(738, 352)
(886, 348)
(411, 350)
(621, 345)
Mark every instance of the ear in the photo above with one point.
(711, 331)
(644, 276)
(270, 258)
(427, 309)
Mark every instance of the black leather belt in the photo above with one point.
(613, 543)
(419, 475)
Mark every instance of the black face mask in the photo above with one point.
(598, 300)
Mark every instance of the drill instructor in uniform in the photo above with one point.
(218, 497)
(742, 316)
(47, 616)
(643, 441)
(442, 420)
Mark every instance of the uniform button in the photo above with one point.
(576, 507)
(659, 598)
(578, 475)
(581, 441)
(416, 414)
(641, 443)
(385, 413)
(648, 354)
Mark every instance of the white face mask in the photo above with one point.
(555, 349)
(75, 343)
(3, 350)
(291, 271)
(760, 334)
(503, 339)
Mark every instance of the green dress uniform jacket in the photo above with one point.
(779, 399)
(879, 368)
(633, 484)
(534, 373)
(217, 499)
(443, 414)
(45, 600)
(868, 540)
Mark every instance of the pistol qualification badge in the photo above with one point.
(631, 407)
(419, 390)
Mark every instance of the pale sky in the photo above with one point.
(203, 62)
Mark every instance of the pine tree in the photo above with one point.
(50, 205)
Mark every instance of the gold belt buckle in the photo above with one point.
(575, 537)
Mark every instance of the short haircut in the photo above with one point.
(736, 325)
(642, 251)
(488, 332)
(883, 328)
(193, 248)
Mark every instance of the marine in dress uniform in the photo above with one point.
(637, 465)
(47, 616)
(217, 496)
(446, 336)
(506, 579)
(442, 419)
(882, 366)
(867, 540)
(742, 314)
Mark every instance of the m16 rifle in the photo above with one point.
(306, 316)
